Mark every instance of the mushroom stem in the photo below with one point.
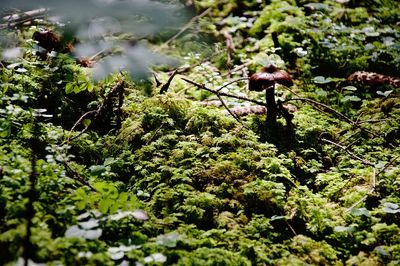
(272, 107)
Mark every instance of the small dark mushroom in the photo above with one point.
(266, 80)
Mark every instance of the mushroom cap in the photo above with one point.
(268, 76)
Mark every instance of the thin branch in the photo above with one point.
(15, 20)
(75, 176)
(97, 113)
(202, 86)
(77, 123)
(236, 69)
(219, 94)
(388, 164)
(231, 82)
(374, 179)
(187, 26)
(372, 121)
(165, 87)
(229, 111)
(345, 118)
(155, 133)
(364, 161)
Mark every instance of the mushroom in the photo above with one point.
(266, 80)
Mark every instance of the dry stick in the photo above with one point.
(229, 83)
(119, 108)
(372, 121)
(181, 70)
(388, 164)
(202, 86)
(96, 112)
(77, 123)
(165, 87)
(362, 160)
(290, 227)
(366, 196)
(218, 93)
(236, 69)
(155, 133)
(348, 120)
(230, 112)
(18, 19)
(76, 176)
(187, 26)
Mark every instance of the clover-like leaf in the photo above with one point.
(391, 207)
(360, 212)
(321, 80)
(384, 93)
(349, 88)
(350, 98)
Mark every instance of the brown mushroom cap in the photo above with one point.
(268, 76)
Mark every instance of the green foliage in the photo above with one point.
(180, 183)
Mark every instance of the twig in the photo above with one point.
(231, 82)
(372, 121)
(77, 123)
(202, 86)
(116, 89)
(366, 196)
(364, 161)
(165, 87)
(158, 83)
(187, 26)
(374, 179)
(388, 164)
(230, 47)
(219, 94)
(230, 112)
(236, 69)
(119, 108)
(155, 133)
(19, 19)
(75, 176)
(345, 118)
(184, 69)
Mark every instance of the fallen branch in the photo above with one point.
(202, 86)
(345, 118)
(240, 67)
(229, 110)
(15, 20)
(373, 182)
(75, 176)
(165, 87)
(362, 160)
(374, 79)
(231, 82)
(99, 111)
